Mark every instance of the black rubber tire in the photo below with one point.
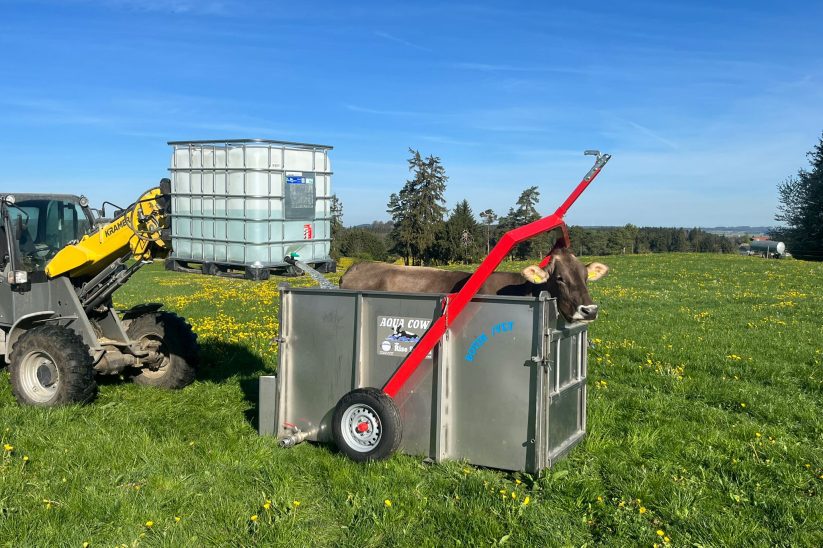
(70, 358)
(329, 267)
(177, 342)
(388, 418)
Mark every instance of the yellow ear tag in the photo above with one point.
(537, 279)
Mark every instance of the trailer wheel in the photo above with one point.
(366, 425)
(174, 347)
(51, 365)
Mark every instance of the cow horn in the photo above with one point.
(535, 274)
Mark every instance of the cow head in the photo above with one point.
(565, 278)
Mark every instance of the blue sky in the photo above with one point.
(705, 106)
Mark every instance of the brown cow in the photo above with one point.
(565, 279)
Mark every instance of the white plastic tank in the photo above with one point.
(768, 246)
(250, 202)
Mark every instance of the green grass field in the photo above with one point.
(705, 428)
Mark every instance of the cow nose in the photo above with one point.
(588, 312)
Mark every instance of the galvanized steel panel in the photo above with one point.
(491, 390)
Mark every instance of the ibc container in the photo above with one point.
(250, 203)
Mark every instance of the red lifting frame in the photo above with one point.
(456, 302)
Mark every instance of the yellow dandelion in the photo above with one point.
(150, 524)
(667, 540)
(527, 500)
(86, 545)
(267, 505)
(517, 481)
(757, 434)
(177, 519)
(742, 404)
(642, 510)
(514, 495)
(8, 448)
(660, 533)
(295, 503)
(387, 502)
(26, 458)
(253, 517)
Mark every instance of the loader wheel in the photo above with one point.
(366, 425)
(51, 365)
(174, 344)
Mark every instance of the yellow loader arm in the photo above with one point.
(137, 232)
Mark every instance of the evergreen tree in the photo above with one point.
(679, 243)
(362, 244)
(417, 211)
(489, 217)
(463, 234)
(336, 211)
(524, 213)
(801, 209)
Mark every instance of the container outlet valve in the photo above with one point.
(293, 439)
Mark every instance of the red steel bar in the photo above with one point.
(456, 302)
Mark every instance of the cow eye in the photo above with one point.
(560, 279)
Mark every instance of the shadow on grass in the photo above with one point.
(220, 361)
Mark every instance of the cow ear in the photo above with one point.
(596, 271)
(535, 274)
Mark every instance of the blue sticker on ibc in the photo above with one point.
(295, 180)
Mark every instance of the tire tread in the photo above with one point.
(78, 384)
(178, 336)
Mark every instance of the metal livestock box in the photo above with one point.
(246, 204)
(505, 387)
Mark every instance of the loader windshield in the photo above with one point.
(42, 227)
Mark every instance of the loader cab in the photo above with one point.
(36, 226)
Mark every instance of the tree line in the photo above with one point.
(423, 231)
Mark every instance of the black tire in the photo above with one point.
(329, 267)
(51, 365)
(377, 413)
(173, 338)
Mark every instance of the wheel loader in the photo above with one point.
(60, 266)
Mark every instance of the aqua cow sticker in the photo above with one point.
(397, 335)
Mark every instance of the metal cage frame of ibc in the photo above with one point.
(372, 414)
(240, 269)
